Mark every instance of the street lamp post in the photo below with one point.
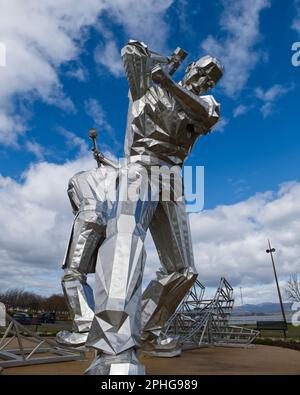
(270, 251)
(241, 295)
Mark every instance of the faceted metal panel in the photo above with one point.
(2, 315)
(165, 118)
(123, 364)
(87, 192)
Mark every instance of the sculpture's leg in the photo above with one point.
(86, 237)
(115, 332)
(171, 234)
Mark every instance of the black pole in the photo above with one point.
(270, 251)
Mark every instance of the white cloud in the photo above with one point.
(240, 23)
(260, 294)
(231, 241)
(36, 218)
(138, 19)
(78, 73)
(240, 186)
(183, 10)
(240, 110)
(220, 126)
(94, 109)
(273, 93)
(36, 149)
(41, 36)
(228, 241)
(143, 19)
(270, 96)
(74, 141)
(108, 55)
(11, 126)
(296, 21)
(267, 109)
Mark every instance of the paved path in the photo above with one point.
(257, 360)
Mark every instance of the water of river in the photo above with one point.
(251, 319)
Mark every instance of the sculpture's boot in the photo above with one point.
(71, 339)
(163, 347)
(161, 299)
(79, 296)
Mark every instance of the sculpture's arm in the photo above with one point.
(74, 200)
(138, 62)
(204, 109)
(135, 57)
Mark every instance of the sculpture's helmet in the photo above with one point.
(203, 74)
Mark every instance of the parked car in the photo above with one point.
(22, 318)
(47, 318)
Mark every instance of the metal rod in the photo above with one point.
(7, 343)
(35, 349)
(24, 356)
(271, 250)
(19, 339)
(6, 333)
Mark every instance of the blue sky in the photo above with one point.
(253, 153)
(63, 76)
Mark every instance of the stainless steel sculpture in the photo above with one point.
(165, 119)
(87, 192)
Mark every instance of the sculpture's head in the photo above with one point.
(202, 75)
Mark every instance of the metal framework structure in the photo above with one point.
(202, 322)
(24, 355)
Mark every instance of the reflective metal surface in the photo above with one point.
(123, 364)
(2, 314)
(163, 347)
(87, 192)
(72, 339)
(165, 119)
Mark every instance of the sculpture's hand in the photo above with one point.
(158, 75)
(203, 108)
(101, 159)
(98, 155)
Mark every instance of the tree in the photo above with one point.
(20, 299)
(293, 288)
(12, 298)
(56, 303)
(32, 301)
(24, 300)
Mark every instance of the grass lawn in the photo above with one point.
(46, 329)
(293, 332)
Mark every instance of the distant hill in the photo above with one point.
(262, 308)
